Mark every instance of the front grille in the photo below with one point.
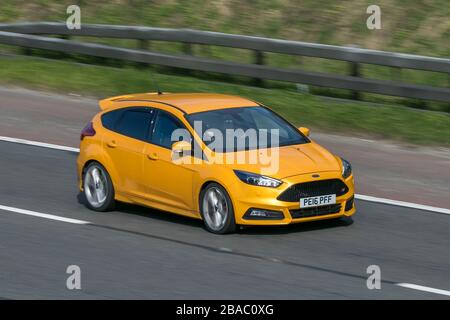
(312, 189)
(315, 211)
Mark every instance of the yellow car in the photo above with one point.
(226, 160)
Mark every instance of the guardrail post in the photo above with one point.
(259, 60)
(187, 48)
(448, 78)
(355, 72)
(63, 54)
(143, 44)
(27, 51)
(396, 73)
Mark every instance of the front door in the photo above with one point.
(169, 184)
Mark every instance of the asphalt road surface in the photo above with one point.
(136, 252)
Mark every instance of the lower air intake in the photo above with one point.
(315, 211)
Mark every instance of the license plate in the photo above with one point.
(317, 201)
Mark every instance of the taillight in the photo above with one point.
(88, 131)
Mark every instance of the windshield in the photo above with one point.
(246, 128)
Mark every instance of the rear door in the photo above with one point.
(125, 144)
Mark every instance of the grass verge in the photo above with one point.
(379, 121)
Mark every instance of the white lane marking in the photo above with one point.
(39, 144)
(402, 204)
(422, 288)
(357, 196)
(42, 215)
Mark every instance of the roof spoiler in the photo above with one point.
(108, 103)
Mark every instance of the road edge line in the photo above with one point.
(423, 288)
(43, 215)
(402, 204)
(39, 144)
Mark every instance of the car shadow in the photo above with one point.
(155, 214)
(150, 213)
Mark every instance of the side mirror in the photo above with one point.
(304, 130)
(181, 148)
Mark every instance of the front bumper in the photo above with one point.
(245, 197)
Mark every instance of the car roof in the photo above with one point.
(185, 102)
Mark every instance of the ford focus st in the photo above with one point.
(225, 160)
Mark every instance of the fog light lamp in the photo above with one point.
(263, 214)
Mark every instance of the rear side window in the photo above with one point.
(134, 123)
(109, 119)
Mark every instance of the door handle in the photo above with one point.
(112, 144)
(152, 156)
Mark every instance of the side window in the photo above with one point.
(109, 119)
(165, 125)
(134, 123)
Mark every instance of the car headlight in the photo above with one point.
(346, 169)
(257, 179)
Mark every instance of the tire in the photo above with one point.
(218, 214)
(346, 221)
(98, 190)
